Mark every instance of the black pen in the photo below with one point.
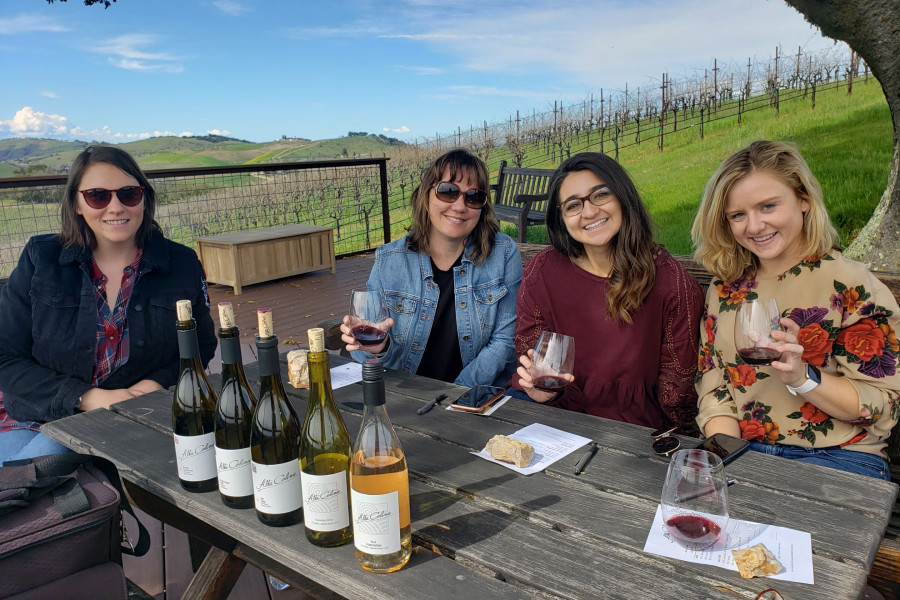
(586, 458)
(729, 481)
(431, 404)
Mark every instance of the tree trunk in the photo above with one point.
(870, 28)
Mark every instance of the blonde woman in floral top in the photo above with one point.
(763, 231)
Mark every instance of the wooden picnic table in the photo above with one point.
(482, 531)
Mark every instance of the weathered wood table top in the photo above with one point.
(482, 531)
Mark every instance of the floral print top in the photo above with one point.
(848, 324)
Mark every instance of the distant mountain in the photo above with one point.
(196, 151)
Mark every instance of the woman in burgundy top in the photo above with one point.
(633, 310)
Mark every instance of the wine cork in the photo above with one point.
(264, 317)
(183, 310)
(316, 337)
(226, 315)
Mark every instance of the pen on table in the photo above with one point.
(694, 495)
(586, 458)
(431, 404)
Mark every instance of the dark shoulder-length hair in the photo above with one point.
(460, 163)
(75, 231)
(633, 247)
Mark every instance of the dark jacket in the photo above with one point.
(48, 325)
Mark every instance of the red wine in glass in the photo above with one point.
(368, 335)
(759, 356)
(694, 529)
(549, 383)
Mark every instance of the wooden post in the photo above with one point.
(715, 84)
(777, 107)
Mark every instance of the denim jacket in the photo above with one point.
(48, 325)
(485, 308)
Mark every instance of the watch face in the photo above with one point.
(813, 373)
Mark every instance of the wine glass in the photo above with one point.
(753, 327)
(695, 499)
(554, 356)
(367, 316)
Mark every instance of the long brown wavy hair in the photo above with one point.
(460, 162)
(633, 247)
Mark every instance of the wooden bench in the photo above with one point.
(520, 196)
(246, 257)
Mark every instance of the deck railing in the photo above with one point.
(349, 195)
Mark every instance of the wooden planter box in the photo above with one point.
(247, 257)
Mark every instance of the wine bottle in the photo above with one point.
(234, 414)
(193, 407)
(324, 455)
(274, 438)
(379, 484)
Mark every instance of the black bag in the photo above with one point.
(61, 528)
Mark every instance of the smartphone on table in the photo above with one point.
(479, 398)
(724, 446)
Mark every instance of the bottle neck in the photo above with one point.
(230, 347)
(267, 355)
(188, 347)
(320, 375)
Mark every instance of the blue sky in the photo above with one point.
(257, 70)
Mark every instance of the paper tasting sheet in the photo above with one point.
(791, 547)
(345, 374)
(549, 444)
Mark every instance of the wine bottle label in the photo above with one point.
(195, 456)
(325, 501)
(276, 488)
(235, 478)
(376, 522)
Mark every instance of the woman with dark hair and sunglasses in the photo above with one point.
(450, 284)
(633, 310)
(87, 318)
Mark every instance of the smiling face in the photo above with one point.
(766, 218)
(452, 222)
(596, 226)
(116, 225)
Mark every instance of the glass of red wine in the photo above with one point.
(695, 499)
(554, 357)
(753, 327)
(367, 317)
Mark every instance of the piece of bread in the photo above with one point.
(756, 561)
(298, 369)
(509, 450)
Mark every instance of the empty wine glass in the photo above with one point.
(554, 356)
(753, 327)
(695, 499)
(367, 317)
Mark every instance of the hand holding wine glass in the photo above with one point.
(366, 327)
(753, 326)
(549, 367)
(695, 499)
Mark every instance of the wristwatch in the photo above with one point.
(813, 379)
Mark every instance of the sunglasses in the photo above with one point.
(131, 195)
(664, 443)
(449, 192)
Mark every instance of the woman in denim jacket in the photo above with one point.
(87, 318)
(450, 284)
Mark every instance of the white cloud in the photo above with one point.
(50, 94)
(401, 129)
(426, 71)
(231, 7)
(30, 123)
(127, 52)
(28, 23)
(218, 132)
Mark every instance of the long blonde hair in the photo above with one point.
(714, 244)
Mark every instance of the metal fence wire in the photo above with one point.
(348, 195)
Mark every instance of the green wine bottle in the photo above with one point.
(193, 406)
(324, 456)
(234, 415)
(274, 438)
(379, 484)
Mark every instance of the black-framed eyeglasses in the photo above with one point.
(130, 195)
(664, 443)
(449, 192)
(769, 594)
(573, 206)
